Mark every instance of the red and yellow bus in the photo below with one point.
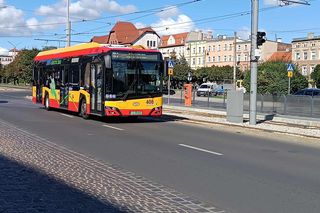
(95, 79)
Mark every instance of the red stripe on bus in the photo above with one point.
(73, 106)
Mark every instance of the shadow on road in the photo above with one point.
(3, 102)
(163, 118)
(24, 189)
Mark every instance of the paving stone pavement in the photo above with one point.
(36, 175)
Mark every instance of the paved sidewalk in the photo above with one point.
(292, 125)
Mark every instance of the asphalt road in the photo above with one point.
(233, 170)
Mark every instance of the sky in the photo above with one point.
(38, 23)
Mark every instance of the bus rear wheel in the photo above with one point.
(47, 102)
(83, 109)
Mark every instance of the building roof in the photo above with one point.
(180, 40)
(123, 33)
(100, 39)
(281, 56)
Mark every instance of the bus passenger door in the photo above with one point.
(64, 88)
(96, 88)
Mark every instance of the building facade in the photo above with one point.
(173, 45)
(306, 53)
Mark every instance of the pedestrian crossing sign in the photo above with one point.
(290, 67)
(170, 64)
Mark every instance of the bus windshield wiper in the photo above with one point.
(128, 92)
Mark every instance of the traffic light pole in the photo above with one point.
(254, 62)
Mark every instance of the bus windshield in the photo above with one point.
(135, 78)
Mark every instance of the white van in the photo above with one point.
(207, 88)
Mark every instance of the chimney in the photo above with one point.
(310, 35)
(209, 34)
(279, 40)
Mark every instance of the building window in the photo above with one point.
(230, 58)
(312, 68)
(297, 45)
(313, 55)
(225, 58)
(199, 49)
(193, 61)
(194, 50)
(245, 57)
(154, 43)
(219, 47)
(209, 58)
(203, 49)
(213, 48)
(305, 55)
(225, 47)
(238, 58)
(209, 48)
(218, 58)
(199, 61)
(313, 45)
(245, 47)
(304, 70)
(239, 47)
(230, 47)
(298, 56)
(213, 59)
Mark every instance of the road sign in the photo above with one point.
(170, 71)
(170, 64)
(290, 67)
(290, 74)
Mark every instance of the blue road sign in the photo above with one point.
(290, 67)
(170, 64)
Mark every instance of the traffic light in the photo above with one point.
(261, 38)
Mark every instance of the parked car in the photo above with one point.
(165, 91)
(309, 92)
(206, 89)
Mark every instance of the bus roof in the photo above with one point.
(83, 49)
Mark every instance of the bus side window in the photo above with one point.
(87, 76)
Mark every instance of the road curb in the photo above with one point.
(281, 128)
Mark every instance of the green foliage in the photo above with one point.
(22, 66)
(181, 70)
(315, 75)
(216, 74)
(273, 78)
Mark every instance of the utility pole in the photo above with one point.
(235, 60)
(68, 30)
(254, 62)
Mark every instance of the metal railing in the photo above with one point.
(304, 106)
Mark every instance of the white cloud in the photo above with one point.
(3, 51)
(140, 25)
(169, 12)
(11, 17)
(271, 2)
(85, 9)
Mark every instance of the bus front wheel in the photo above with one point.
(83, 109)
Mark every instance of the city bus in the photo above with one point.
(102, 80)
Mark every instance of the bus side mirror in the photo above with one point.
(107, 61)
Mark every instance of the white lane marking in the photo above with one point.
(112, 127)
(199, 149)
(69, 116)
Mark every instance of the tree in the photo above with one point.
(181, 70)
(22, 66)
(273, 78)
(217, 74)
(315, 75)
